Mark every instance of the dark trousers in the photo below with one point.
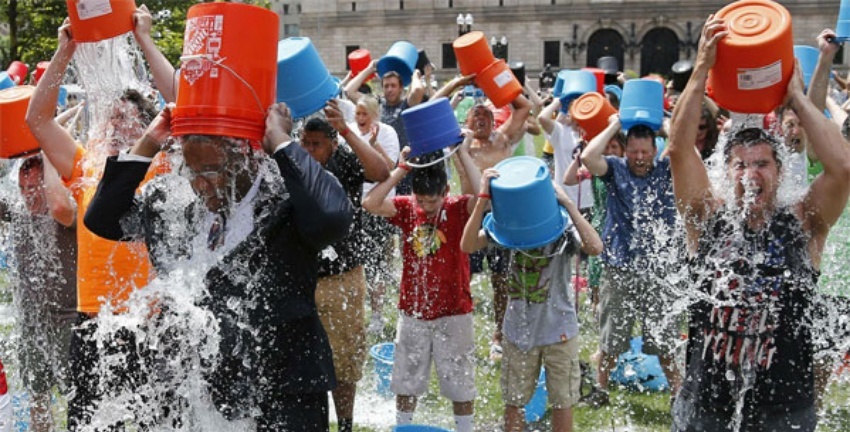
(690, 417)
(307, 412)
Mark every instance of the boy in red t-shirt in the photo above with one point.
(435, 302)
(7, 417)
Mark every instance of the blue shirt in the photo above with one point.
(641, 215)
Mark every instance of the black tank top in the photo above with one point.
(749, 331)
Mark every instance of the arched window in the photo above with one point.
(605, 42)
(659, 50)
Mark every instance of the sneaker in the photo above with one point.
(376, 324)
(495, 351)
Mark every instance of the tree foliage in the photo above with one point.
(32, 26)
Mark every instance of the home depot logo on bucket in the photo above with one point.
(203, 37)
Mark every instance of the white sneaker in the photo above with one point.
(376, 324)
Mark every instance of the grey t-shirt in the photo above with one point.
(540, 308)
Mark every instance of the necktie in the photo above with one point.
(216, 237)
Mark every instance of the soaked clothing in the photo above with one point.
(435, 277)
(753, 337)
(391, 115)
(346, 254)
(594, 263)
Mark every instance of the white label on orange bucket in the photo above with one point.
(88, 9)
(759, 78)
(503, 78)
(202, 47)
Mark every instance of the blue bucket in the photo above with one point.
(383, 355)
(401, 58)
(808, 57)
(21, 408)
(842, 27)
(303, 81)
(638, 371)
(526, 214)
(62, 97)
(536, 407)
(431, 126)
(576, 83)
(418, 428)
(642, 104)
(6, 81)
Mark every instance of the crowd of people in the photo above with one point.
(292, 236)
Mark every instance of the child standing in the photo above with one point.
(541, 326)
(435, 304)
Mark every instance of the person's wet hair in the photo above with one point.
(485, 108)
(751, 137)
(317, 124)
(392, 74)
(429, 181)
(641, 131)
(146, 108)
(32, 163)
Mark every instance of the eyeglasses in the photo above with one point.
(208, 175)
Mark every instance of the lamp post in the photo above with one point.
(464, 24)
(500, 47)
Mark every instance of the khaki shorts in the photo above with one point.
(339, 299)
(521, 370)
(449, 342)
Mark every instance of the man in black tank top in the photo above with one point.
(754, 266)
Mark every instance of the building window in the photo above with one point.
(451, 4)
(553, 2)
(285, 9)
(348, 50)
(298, 7)
(552, 53)
(354, 6)
(290, 30)
(501, 3)
(449, 60)
(400, 4)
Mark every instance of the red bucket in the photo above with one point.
(498, 83)
(18, 71)
(359, 60)
(755, 60)
(600, 78)
(39, 70)
(229, 71)
(591, 112)
(472, 53)
(97, 20)
(16, 140)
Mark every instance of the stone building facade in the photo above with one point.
(644, 35)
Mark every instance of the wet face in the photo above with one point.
(613, 148)
(794, 133)
(392, 89)
(755, 173)
(640, 153)
(318, 145)
(430, 204)
(32, 189)
(362, 117)
(124, 128)
(480, 121)
(219, 175)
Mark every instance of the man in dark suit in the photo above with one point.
(262, 231)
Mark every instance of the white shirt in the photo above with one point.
(565, 140)
(387, 139)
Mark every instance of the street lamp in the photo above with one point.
(500, 47)
(464, 24)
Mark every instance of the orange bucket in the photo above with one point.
(359, 60)
(97, 20)
(756, 60)
(591, 112)
(229, 71)
(16, 140)
(498, 83)
(473, 53)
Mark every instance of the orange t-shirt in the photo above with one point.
(107, 271)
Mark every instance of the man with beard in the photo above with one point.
(638, 238)
(754, 262)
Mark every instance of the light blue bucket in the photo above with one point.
(418, 428)
(642, 104)
(842, 27)
(383, 354)
(6, 81)
(21, 408)
(576, 83)
(303, 81)
(558, 87)
(62, 97)
(536, 407)
(401, 58)
(808, 57)
(431, 126)
(526, 214)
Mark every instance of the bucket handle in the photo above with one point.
(436, 161)
(210, 59)
(541, 172)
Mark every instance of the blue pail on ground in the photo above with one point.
(418, 428)
(642, 104)
(638, 371)
(6, 81)
(576, 83)
(383, 354)
(303, 81)
(525, 212)
(842, 27)
(431, 126)
(808, 57)
(536, 407)
(21, 408)
(401, 58)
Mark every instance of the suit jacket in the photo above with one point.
(274, 342)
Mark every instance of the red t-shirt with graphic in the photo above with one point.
(435, 278)
(3, 387)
